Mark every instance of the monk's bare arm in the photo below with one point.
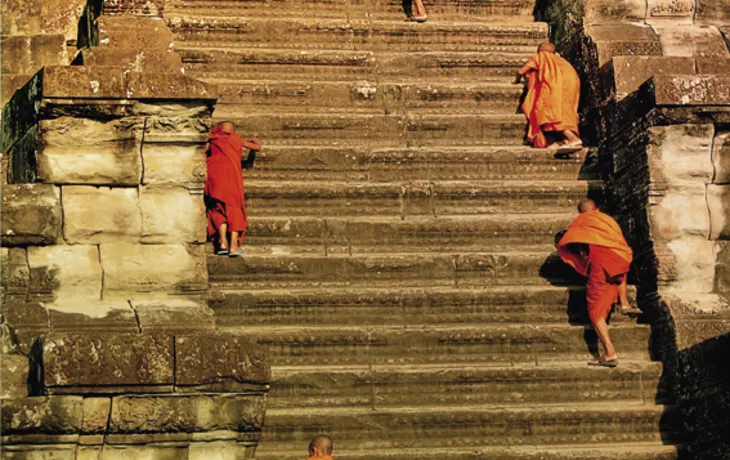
(524, 70)
(252, 144)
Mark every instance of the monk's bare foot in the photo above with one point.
(236, 251)
(605, 361)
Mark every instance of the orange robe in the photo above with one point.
(326, 457)
(608, 261)
(552, 98)
(224, 194)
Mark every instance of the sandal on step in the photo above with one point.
(603, 362)
(630, 310)
(420, 19)
(236, 254)
(221, 252)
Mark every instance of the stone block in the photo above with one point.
(11, 83)
(713, 12)
(31, 214)
(712, 66)
(624, 40)
(85, 151)
(14, 368)
(134, 32)
(167, 86)
(220, 362)
(680, 213)
(630, 72)
(131, 270)
(96, 415)
(25, 322)
(150, 8)
(94, 215)
(174, 164)
(718, 202)
(603, 11)
(66, 272)
(37, 17)
(43, 414)
(174, 315)
(189, 413)
(692, 90)
(84, 82)
(721, 157)
(39, 452)
(692, 41)
(693, 264)
(136, 60)
(15, 272)
(98, 363)
(673, 12)
(172, 215)
(220, 450)
(681, 154)
(93, 316)
(147, 452)
(16, 57)
(185, 128)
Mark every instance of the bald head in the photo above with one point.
(320, 445)
(228, 127)
(546, 47)
(587, 205)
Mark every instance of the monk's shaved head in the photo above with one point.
(320, 445)
(587, 205)
(227, 126)
(546, 47)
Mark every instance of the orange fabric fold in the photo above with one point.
(326, 457)
(552, 98)
(599, 229)
(608, 262)
(224, 192)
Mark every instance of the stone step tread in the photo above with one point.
(506, 117)
(395, 80)
(626, 451)
(457, 24)
(354, 56)
(538, 409)
(496, 185)
(469, 329)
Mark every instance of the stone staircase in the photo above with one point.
(401, 267)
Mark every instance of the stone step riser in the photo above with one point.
(381, 130)
(362, 165)
(346, 66)
(366, 97)
(461, 429)
(427, 270)
(383, 387)
(629, 452)
(497, 10)
(354, 35)
(371, 309)
(498, 346)
(408, 200)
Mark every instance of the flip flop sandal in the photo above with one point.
(603, 362)
(420, 19)
(630, 310)
(221, 252)
(236, 254)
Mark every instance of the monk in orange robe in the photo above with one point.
(224, 194)
(595, 246)
(320, 448)
(551, 104)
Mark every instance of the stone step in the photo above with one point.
(361, 164)
(354, 34)
(343, 65)
(475, 426)
(410, 130)
(401, 306)
(362, 235)
(496, 345)
(485, 10)
(525, 266)
(589, 451)
(383, 386)
(367, 97)
(416, 198)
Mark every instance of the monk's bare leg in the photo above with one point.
(601, 329)
(223, 236)
(420, 9)
(235, 247)
(623, 294)
(571, 138)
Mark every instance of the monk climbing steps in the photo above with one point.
(551, 103)
(320, 448)
(595, 246)
(224, 194)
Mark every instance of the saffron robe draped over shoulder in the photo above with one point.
(553, 94)
(224, 193)
(608, 261)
